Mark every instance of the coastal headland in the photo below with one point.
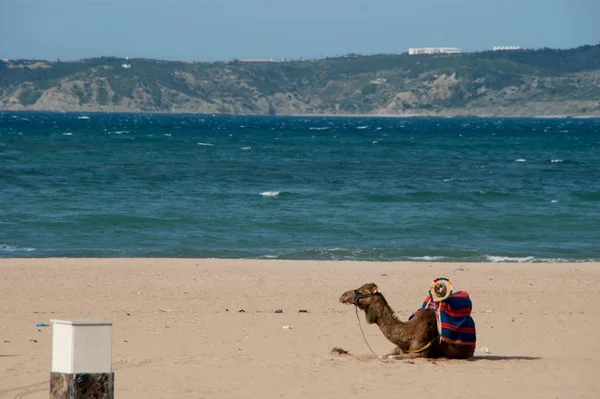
(528, 83)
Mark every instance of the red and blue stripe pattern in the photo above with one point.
(457, 325)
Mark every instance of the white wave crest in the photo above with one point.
(531, 259)
(520, 160)
(557, 160)
(362, 127)
(67, 134)
(318, 128)
(270, 193)
(83, 117)
(524, 259)
(246, 148)
(206, 144)
(426, 258)
(493, 258)
(12, 248)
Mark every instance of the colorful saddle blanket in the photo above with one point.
(455, 324)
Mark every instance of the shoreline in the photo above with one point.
(507, 260)
(374, 116)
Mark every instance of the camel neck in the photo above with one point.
(397, 332)
(380, 313)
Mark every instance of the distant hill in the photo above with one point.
(502, 83)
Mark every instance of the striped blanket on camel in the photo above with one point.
(455, 324)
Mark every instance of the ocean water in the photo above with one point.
(444, 189)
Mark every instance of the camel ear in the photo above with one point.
(374, 290)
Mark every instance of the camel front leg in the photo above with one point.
(397, 351)
(404, 356)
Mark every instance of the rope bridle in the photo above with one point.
(365, 338)
(358, 295)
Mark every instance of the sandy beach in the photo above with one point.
(179, 333)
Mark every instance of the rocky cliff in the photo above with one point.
(515, 83)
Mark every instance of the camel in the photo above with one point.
(417, 338)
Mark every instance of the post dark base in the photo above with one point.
(82, 386)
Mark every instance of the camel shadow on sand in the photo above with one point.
(496, 358)
(441, 360)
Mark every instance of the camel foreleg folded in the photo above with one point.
(405, 356)
(397, 354)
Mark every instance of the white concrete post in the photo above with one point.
(81, 359)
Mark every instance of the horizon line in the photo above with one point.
(289, 59)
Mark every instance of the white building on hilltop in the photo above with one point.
(506, 48)
(433, 50)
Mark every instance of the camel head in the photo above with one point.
(361, 297)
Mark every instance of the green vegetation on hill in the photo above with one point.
(524, 82)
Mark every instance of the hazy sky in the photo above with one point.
(208, 30)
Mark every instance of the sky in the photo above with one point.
(220, 30)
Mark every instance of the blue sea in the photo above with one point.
(322, 188)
